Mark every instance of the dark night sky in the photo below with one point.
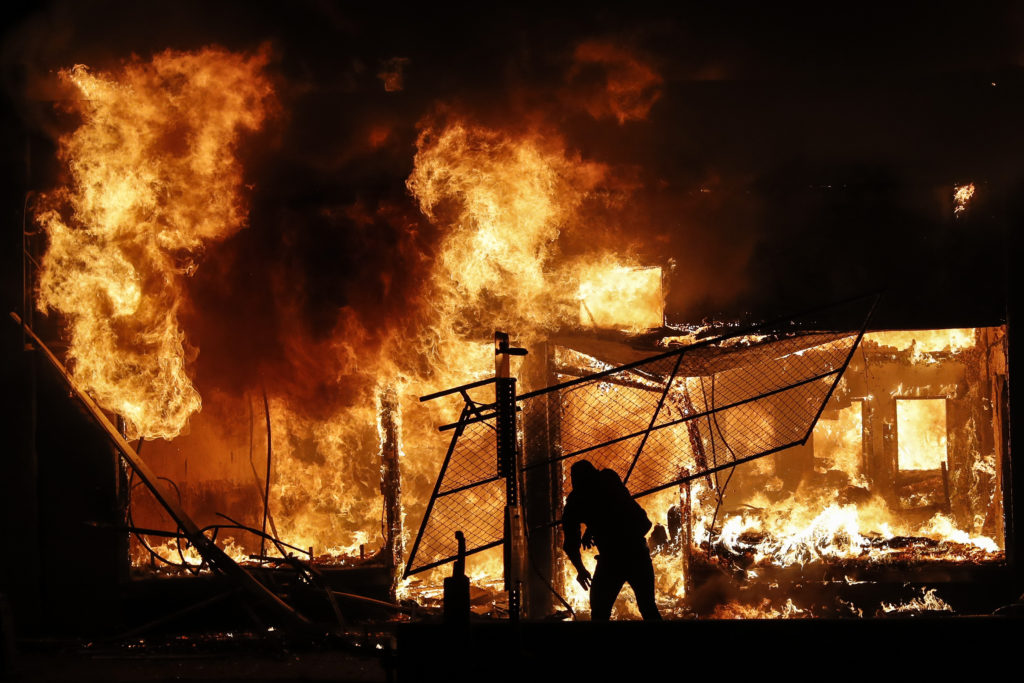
(829, 141)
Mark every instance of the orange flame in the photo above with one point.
(506, 198)
(154, 178)
(962, 196)
(617, 296)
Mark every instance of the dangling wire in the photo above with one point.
(720, 492)
(131, 524)
(719, 487)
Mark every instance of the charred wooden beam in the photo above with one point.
(391, 481)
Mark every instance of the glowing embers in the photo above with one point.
(921, 433)
(614, 296)
(962, 196)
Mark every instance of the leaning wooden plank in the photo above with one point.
(203, 545)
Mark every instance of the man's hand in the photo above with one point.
(588, 539)
(583, 578)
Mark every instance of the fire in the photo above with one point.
(840, 441)
(926, 341)
(616, 296)
(182, 554)
(506, 199)
(798, 535)
(921, 426)
(337, 459)
(799, 532)
(962, 196)
(762, 610)
(154, 178)
(929, 601)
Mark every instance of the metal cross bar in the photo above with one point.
(455, 390)
(654, 418)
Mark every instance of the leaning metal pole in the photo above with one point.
(509, 466)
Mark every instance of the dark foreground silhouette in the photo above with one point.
(617, 525)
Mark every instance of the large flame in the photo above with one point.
(154, 177)
(506, 198)
(921, 426)
(500, 200)
(617, 296)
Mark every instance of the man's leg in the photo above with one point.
(603, 590)
(641, 580)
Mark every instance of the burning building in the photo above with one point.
(252, 257)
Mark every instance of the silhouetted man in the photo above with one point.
(617, 524)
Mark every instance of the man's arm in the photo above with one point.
(571, 543)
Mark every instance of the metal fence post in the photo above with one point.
(508, 467)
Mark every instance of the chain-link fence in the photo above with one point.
(470, 498)
(688, 414)
(657, 422)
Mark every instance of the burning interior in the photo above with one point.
(871, 492)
